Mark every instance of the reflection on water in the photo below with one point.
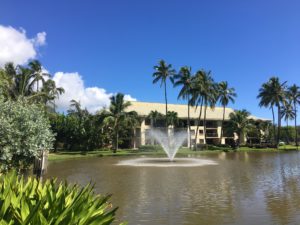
(244, 188)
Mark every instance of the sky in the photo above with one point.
(95, 49)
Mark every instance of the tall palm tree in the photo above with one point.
(288, 113)
(163, 72)
(184, 79)
(197, 92)
(294, 95)
(117, 114)
(37, 73)
(239, 123)
(209, 95)
(210, 99)
(51, 92)
(266, 100)
(273, 93)
(225, 95)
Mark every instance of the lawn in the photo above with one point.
(64, 155)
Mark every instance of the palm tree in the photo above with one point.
(163, 72)
(76, 110)
(208, 95)
(154, 116)
(197, 92)
(273, 93)
(184, 79)
(288, 113)
(51, 92)
(266, 100)
(239, 124)
(117, 114)
(226, 95)
(22, 82)
(294, 95)
(37, 73)
(172, 118)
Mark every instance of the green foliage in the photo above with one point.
(29, 83)
(33, 202)
(24, 133)
(80, 130)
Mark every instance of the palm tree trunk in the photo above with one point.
(222, 124)
(279, 125)
(188, 123)
(204, 123)
(296, 133)
(166, 100)
(287, 132)
(198, 123)
(274, 128)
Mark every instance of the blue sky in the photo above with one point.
(115, 44)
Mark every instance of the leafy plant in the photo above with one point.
(33, 202)
(24, 132)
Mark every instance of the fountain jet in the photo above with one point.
(170, 142)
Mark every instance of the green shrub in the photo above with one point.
(32, 202)
(24, 132)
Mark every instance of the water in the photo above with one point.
(243, 188)
(170, 142)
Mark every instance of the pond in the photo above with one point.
(241, 188)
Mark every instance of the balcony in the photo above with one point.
(211, 133)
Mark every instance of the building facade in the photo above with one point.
(213, 123)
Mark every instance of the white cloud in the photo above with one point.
(40, 39)
(92, 98)
(16, 47)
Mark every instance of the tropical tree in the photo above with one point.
(204, 92)
(210, 99)
(197, 92)
(288, 113)
(117, 115)
(294, 96)
(184, 79)
(37, 73)
(239, 123)
(22, 82)
(154, 116)
(273, 93)
(225, 95)
(163, 72)
(51, 92)
(172, 118)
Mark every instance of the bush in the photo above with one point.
(33, 202)
(24, 132)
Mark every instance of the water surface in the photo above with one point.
(244, 188)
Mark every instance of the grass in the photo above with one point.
(65, 155)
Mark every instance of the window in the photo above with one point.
(192, 122)
(201, 132)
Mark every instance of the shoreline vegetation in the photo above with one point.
(66, 155)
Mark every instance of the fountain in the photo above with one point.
(170, 142)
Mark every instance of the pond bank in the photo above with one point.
(64, 155)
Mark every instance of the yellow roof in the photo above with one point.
(144, 108)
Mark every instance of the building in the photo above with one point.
(213, 123)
